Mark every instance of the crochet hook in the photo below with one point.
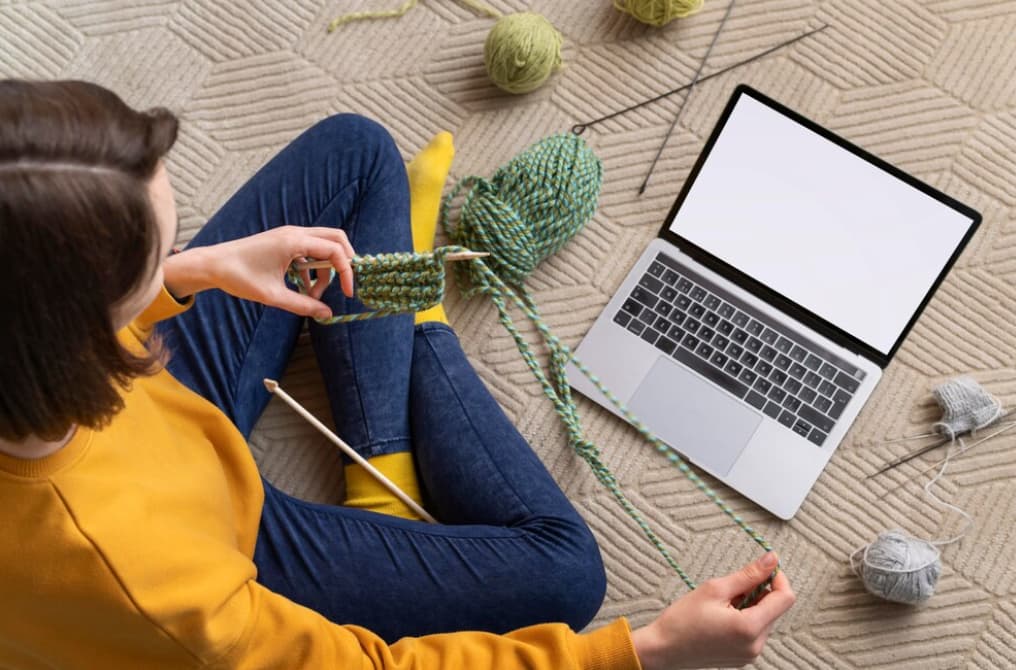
(455, 256)
(273, 387)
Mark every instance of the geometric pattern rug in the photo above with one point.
(928, 85)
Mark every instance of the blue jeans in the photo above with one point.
(511, 550)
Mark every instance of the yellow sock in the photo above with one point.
(427, 174)
(365, 492)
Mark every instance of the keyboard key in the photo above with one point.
(822, 403)
(740, 319)
(802, 428)
(622, 318)
(718, 359)
(651, 283)
(677, 318)
(684, 285)
(767, 353)
(664, 308)
(675, 333)
(812, 380)
(721, 342)
(666, 345)
(817, 419)
(704, 350)
(711, 301)
(798, 353)
(656, 269)
(784, 345)
(711, 318)
(698, 293)
(817, 436)
(840, 401)
(735, 351)
(706, 333)
(650, 335)
(644, 297)
(668, 293)
(670, 277)
(692, 326)
(812, 362)
(690, 341)
(768, 336)
(753, 345)
(749, 359)
(725, 327)
(778, 377)
(844, 380)
(733, 368)
(697, 310)
(747, 376)
(776, 394)
(755, 400)
(648, 317)
(739, 335)
(772, 409)
(807, 395)
(790, 402)
(662, 324)
(827, 388)
(827, 371)
(782, 362)
(763, 368)
(797, 370)
(636, 327)
(683, 302)
(754, 327)
(792, 386)
(726, 311)
(702, 367)
(762, 385)
(787, 419)
(632, 306)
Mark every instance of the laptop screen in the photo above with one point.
(808, 218)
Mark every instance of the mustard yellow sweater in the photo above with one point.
(131, 548)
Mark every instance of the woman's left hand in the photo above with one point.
(254, 268)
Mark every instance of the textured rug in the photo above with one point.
(929, 86)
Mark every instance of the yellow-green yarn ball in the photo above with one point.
(522, 51)
(658, 12)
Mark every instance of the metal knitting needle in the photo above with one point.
(273, 387)
(684, 101)
(923, 450)
(580, 128)
(454, 256)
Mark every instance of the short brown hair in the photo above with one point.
(77, 235)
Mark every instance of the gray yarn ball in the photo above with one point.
(900, 568)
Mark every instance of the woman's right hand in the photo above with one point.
(705, 628)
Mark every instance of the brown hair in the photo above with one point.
(77, 235)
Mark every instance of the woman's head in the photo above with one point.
(86, 217)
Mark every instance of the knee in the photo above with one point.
(353, 132)
(575, 582)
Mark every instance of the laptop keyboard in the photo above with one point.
(792, 381)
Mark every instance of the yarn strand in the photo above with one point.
(475, 5)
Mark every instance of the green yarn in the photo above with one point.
(521, 52)
(658, 12)
(476, 6)
(527, 211)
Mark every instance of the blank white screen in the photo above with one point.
(818, 224)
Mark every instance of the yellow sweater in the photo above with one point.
(131, 548)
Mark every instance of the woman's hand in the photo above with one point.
(254, 267)
(705, 628)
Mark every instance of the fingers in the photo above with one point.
(304, 305)
(748, 577)
(335, 252)
(774, 604)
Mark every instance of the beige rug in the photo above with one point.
(929, 86)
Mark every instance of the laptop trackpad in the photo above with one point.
(693, 416)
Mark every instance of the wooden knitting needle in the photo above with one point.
(273, 387)
(455, 256)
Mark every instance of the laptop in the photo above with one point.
(752, 330)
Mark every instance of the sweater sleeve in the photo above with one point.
(163, 307)
(282, 635)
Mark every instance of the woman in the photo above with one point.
(138, 532)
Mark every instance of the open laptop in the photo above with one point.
(752, 330)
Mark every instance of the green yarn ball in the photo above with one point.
(522, 51)
(658, 12)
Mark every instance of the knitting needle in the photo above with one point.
(684, 100)
(923, 450)
(454, 256)
(273, 387)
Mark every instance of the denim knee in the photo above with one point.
(353, 132)
(573, 584)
